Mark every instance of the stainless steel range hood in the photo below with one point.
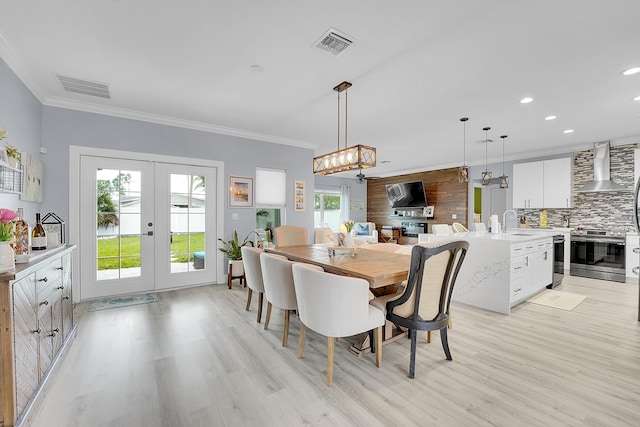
(601, 171)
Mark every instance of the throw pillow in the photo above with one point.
(362, 230)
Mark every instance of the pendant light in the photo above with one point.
(504, 180)
(486, 175)
(463, 171)
(348, 158)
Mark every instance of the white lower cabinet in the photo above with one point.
(531, 268)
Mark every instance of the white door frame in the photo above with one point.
(75, 152)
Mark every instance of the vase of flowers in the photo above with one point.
(348, 237)
(13, 155)
(7, 259)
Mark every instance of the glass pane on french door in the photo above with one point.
(117, 238)
(185, 209)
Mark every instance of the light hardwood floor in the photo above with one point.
(197, 358)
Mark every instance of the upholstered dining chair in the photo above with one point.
(479, 226)
(324, 235)
(290, 235)
(335, 306)
(424, 303)
(253, 276)
(441, 229)
(278, 288)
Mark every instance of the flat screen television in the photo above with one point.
(407, 195)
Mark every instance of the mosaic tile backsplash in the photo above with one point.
(608, 210)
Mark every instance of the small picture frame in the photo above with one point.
(428, 212)
(298, 196)
(240, 192)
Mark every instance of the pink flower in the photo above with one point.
(7, 215)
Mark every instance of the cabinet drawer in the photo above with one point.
(49, 273)
(517, 289)
(517, 268)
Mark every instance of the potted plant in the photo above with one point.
(13, 155)
(232, 249)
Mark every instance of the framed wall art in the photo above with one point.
(240, 192)
(299, 196)
(32, 189)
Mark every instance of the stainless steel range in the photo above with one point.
(598, 254)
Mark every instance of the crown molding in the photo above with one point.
(171, 121)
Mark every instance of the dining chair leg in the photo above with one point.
(303, 333)
(249, 293)
(412, 362)
(330, 348)
(429, 336)
(372, 343)
(260, 299)
(285, 333)
(445, 343)
(266, 321)
(378, 335)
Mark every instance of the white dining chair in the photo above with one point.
(444, 229)
(479, 226)
(253, 276)
(290, 235)
(278, 288)
(335, 306)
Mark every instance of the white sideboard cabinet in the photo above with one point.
(36, 309)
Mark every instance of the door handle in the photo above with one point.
(635, 270)
(636, 250)
(149, 233)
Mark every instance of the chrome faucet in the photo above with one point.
(504, 219)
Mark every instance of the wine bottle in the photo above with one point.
(38, 236)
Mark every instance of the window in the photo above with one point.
(327, 209)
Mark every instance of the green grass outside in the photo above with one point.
(128, 249)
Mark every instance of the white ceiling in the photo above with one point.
(417, 66)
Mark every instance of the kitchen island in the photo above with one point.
(502, 270)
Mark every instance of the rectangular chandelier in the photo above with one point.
(354, 157)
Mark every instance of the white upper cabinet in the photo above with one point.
(527, 185)
(543, 184)
(558, 189)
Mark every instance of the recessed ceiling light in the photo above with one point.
(526, 100)
(550, 117)
(631, 71)
(256, 68)
(637, 98)
(568, 131)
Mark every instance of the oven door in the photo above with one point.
(598, 258)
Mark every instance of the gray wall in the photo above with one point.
(62, 128)
(21, 115)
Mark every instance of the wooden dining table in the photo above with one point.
(380, 268)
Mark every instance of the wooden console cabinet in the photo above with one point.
(36, 313)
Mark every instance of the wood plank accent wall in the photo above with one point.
(444, 192)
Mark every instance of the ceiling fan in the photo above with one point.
(360, 178)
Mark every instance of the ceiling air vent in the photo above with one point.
(334, 41)
(85, 87)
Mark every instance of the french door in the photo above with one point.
(144, 226)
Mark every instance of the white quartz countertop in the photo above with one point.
(516, 235)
